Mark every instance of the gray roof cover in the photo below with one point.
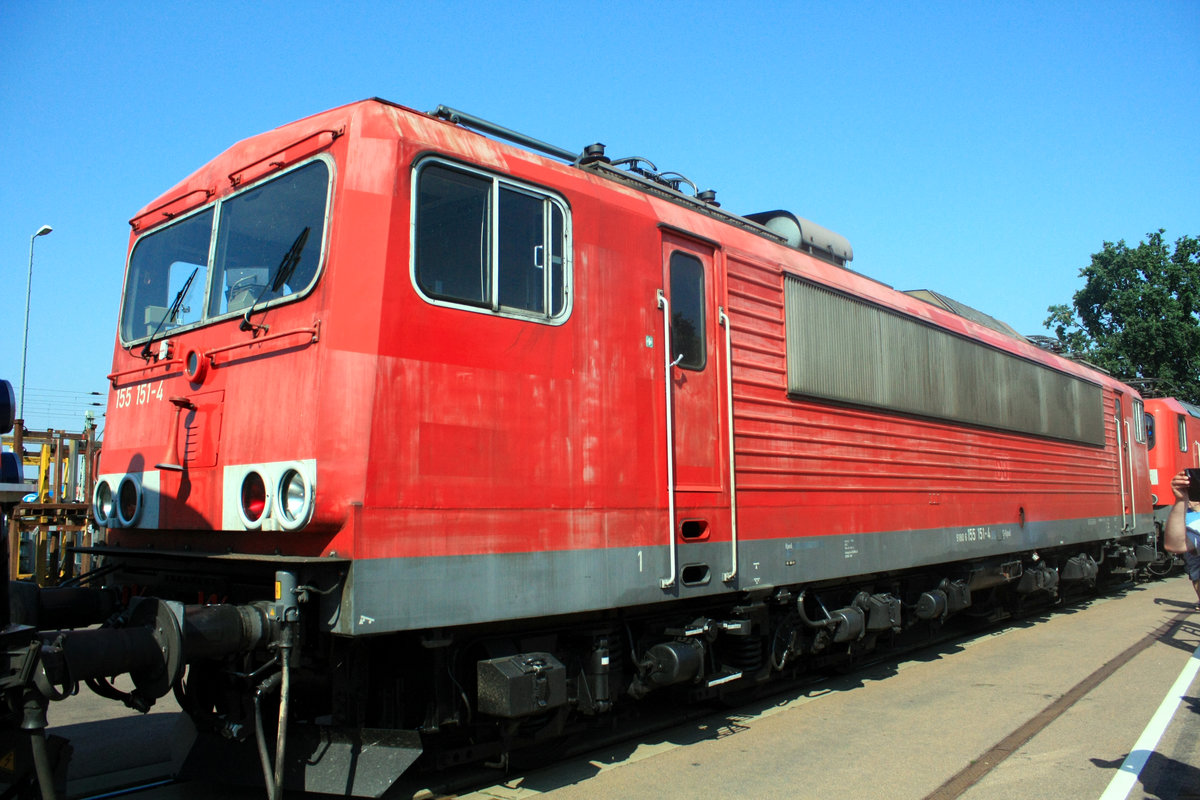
(804, 235)
(962, 310)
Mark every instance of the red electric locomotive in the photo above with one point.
(1174, 445)
(450, 441)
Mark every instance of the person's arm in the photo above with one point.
(1175, 534)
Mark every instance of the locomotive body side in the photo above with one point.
(528, 459)
(933, 489)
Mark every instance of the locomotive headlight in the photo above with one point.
(295, 498)
(102, 504)
(129, 501)
(255, 501)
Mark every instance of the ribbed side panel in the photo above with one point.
(843, 349)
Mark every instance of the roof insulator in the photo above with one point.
(593, 153)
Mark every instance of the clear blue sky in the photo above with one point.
(984, 150)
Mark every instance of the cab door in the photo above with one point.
(702, 541)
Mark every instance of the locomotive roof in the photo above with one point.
(963, 310)
(780, 226)
(1190, 409)
(640, 173)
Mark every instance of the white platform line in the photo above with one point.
(1121, 784)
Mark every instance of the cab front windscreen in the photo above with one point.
(259, 247)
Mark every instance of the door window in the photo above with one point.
(687, 311)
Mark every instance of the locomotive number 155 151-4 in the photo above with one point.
(145, 392)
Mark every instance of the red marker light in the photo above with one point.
(254, 497)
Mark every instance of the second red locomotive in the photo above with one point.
(1174, 445)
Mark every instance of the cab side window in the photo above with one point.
(490, 243)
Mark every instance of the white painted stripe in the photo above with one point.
(1121, 784)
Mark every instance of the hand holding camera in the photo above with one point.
(1193, 489)
(1186, 485)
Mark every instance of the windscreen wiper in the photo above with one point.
(291, 259)
(171, 314)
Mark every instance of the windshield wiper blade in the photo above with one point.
(171, 314)
(291, 259)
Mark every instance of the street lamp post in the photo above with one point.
(42, 231)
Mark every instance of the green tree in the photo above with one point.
(1138, 315)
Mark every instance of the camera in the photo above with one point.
(1194, 485)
